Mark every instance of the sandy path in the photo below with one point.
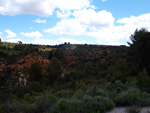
(123, 110)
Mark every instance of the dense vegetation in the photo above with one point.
(71, 78)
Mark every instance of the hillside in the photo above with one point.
(18, 58)
(90, 78)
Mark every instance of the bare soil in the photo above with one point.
(123, 110)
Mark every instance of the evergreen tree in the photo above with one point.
(139, 50)
(54, 70)
(36, 73)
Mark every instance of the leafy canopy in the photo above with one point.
(139, 50)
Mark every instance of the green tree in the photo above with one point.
(19, 42)
(85, 70)
(36, 73)
(139, 50)
(54, 70)
(51, 55)
(143, 80)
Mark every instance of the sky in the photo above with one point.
(53, 22)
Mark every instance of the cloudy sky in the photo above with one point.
(109, 22)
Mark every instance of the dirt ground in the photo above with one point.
(123, 110)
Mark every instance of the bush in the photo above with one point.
(63, 93)
(67, 106)
(131, 97)
(12, 97)
(17, 107)
(118, 86)
(44, 103)
(132, 83)
(133, 109)
(101, 92)
(94, 91)
(86, 105)
(28, 99)
(143, 81)
(97, 104)
(115, 88)
(79, 95)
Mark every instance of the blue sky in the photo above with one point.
(107, 22)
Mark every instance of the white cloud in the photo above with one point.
(134, 19)
(71, 27)
(63, 14)
(136, 22)
(14, 40)
(72, 41)
(92, 18)
(10, 34)
(93, 7)
(39, 21)
(0, 36)
(86, 19)
(44, 42)
(104, 0)
(36, 34)
(32, 7)
(57, 41)
(121, 34)
(112, 36)
(72, 4)
(40, 7)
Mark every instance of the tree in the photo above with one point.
(19, 42)
(143, 80)
(85, 70)
(50, 55)
(54, 70)
(137, 36)
(139, 50)
(36, 73)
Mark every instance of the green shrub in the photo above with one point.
(143, 81)
(4, 109)
(133, 109)
(115, 88)
(44, 102)
(12, 97)
(63, 93)
(113, 94)
(131, 97)
(118, 86)
(115, 72)
(86, 105)
(131, 83)
(79, 95)
(97, 104)
(67, 106)
(94, 91)
(17, 107)
(27, 98)
(101, 92)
